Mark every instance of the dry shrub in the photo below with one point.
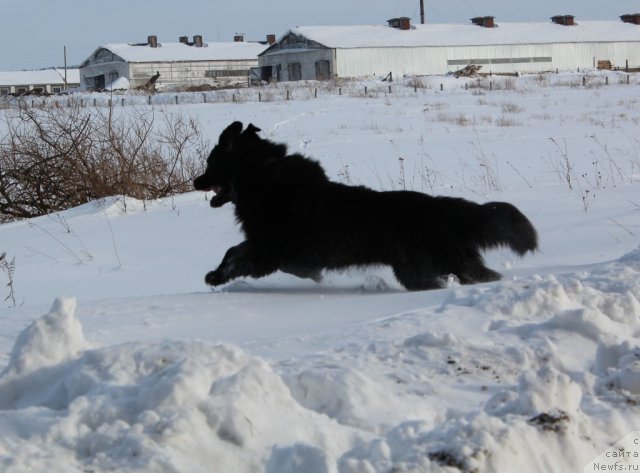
(55, 158)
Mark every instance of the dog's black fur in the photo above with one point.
(298, 221)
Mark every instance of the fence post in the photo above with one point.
(339, 90)
(606, 80)
(204, 98)
(176, 100)
(288, 94)
(123, 102)
(628, 79)
(315, 93)
(389, 89)
(149, 99)
(490, 85)
(584, 80)
(365, 90)
(441, 86)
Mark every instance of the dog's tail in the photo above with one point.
(505, 225)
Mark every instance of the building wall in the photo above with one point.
(102, 69)
(307, 58)
(495, 58)
(214, 73)
(108, 70)
(22, 88)
(402, 61)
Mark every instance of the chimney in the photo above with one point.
(152, 41)
(197, 41)
(485, 21)
(184, 40)
(402, 23)
(238, 37)
(271, 39)
(633, 18)
(567, 20)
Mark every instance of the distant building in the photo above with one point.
(187, 63)
(400, 48)
(50, 81)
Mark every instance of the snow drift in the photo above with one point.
(191, 406)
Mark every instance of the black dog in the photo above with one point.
(298, 221)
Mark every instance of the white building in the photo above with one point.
(322, 52)
(182, 63)
(49, 81)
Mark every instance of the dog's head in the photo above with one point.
(232, 155)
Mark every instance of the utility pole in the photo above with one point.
(65, 67)
(422, 12)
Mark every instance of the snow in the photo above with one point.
(369, 36)
(237, 50)
(138, 366)
(45, 76)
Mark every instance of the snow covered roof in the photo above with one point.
(174, 52)
(468, 34)
(46, 76)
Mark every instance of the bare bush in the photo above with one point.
(8, 267)
(55, 158)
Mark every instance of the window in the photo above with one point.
(507, 60)
(295, 71)
(4, 91)
(56, 89)
(215, 74)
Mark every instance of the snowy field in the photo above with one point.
(115, 356)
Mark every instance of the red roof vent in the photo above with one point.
(567, 20)
(632, 18)
(402, 23)
(485, 21)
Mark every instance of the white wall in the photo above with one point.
(440, 60)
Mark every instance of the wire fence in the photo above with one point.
(312, 90)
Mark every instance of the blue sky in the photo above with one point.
(33, 33)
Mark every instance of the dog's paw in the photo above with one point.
(218, 201)
(215, 278)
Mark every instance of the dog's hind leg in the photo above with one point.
(241, 260)
(473, 270)
(416, 278)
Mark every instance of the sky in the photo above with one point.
(34, 33)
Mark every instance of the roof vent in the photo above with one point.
(631, 18)
(271, 39)
(197, 41)
(152, 41)
(567, 20)
(402, 23)
(238, 37)
(184, 40)
(486, 21)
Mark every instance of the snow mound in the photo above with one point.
(50, 340)
(165, 407)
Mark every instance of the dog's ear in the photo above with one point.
(252, 129)
(230, 133)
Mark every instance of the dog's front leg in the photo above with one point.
(244, 259)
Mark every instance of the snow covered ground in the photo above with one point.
(117, 357)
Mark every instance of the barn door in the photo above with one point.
(322, 70)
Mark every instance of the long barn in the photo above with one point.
(400, 48)
(185, 63)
